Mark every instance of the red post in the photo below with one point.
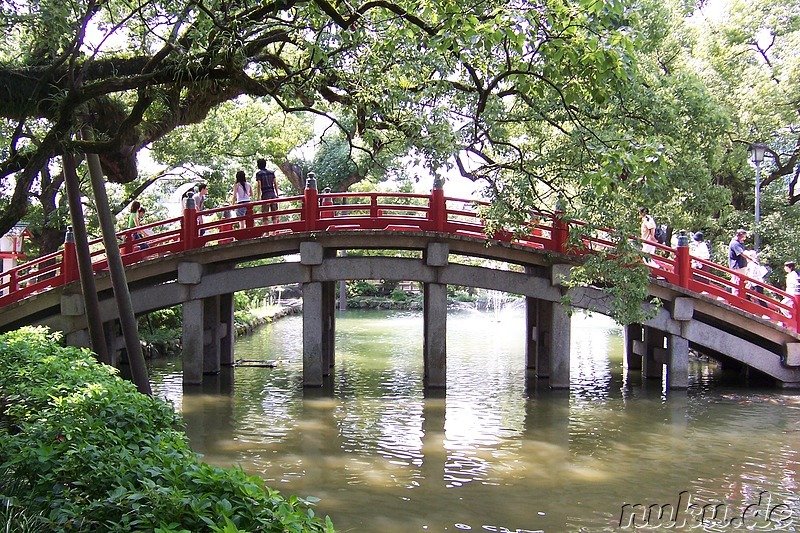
(249, 221)
(69, 260)
(189, 225)
(560, 232)
(128, 244)
(683, 261)
(12, 280)
(796, 312)
(373, 208)
(437, 209)
(311, 203)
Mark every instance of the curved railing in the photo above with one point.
(387, 212)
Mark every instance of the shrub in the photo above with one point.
(399, 295)
(92, 453)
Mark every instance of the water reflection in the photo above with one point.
(386, 456)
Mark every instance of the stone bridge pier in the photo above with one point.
(548, 325)
(208, 329)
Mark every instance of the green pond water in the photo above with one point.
(613, 453)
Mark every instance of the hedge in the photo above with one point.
(82, 450)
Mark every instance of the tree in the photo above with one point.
(535, 100)
(751, 52)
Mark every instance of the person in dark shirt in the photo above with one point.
(267, 187)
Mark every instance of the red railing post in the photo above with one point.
(311, 202)
(560, 229)
(796, 312)
(128, 244)
(437, 210)
(69, 259)
(683, 264)
(249, 221)
(189, 225)
(12, 280)
(374, 214)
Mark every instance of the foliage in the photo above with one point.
(399, 295)
(362, 288)
(96, 454)
(603, 105)
(626, 285)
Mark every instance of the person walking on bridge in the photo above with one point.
(135, 217)
(792, 286)
(242, 193)
(200, 202)
(267, 187)
(736, 258)
(648, 235)
(698, 249)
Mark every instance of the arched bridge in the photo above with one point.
(200, 261)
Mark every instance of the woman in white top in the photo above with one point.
(648, 233)
(242, 193)
(792, 284)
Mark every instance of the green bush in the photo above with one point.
(82, 450)
(399, 295)
(361, 288)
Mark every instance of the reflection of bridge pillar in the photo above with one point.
(211, 337)
(228, 333)
(634, 347)
(434, 307)
(328, 326)
(655, 354)
(192, 342)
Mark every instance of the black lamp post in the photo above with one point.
(757, 151)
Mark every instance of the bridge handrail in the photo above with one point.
(387, 211)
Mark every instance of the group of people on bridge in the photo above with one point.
(741, 260)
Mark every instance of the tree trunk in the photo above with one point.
(122, 296)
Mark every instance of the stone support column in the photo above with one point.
(434, 342)
(544, 341)
(328, 326)
(634, 346)
(434, 351)
(211, 340)
(227, 329)
(677, 362)
(655, 354)
(193, 342)
(312, 334)
(560, 340)
(678, 347)
(531, 336)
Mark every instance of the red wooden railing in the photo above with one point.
(387, 212)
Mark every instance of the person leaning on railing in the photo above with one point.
(135, 220)
(757, 272)
(792, 284)
(698, 249)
